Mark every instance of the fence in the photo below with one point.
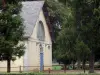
(46, 69)
(25, 69)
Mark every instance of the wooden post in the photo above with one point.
(49, 70)
(20, 69)
(64, 68)
(43, 68)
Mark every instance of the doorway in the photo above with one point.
(41, 59)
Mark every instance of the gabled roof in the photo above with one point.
(30, 13)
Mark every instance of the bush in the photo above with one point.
(57, 67)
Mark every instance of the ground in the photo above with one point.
(60, 72)
(71, 72)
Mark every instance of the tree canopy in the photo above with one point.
(80, 29)
(11, 32)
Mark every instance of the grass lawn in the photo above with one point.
(58, 72)
(43, 74)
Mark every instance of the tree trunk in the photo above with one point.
(91, 63)
(65, 67)
(73, 65)
(8, 65)
(84, 65)
(79, 64)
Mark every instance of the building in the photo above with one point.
(38, 44)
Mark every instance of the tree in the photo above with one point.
(11, 32)
(57, 19)
(66, 40)
(53, 10)
(82, 52)
(87, 16)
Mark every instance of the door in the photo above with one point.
(41, 59)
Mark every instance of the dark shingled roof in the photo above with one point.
(30, 13)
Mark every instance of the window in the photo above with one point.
(40, 31)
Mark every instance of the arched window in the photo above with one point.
(40, 31)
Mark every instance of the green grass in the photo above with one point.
(53, 73)
(72, 74)
(43, 74)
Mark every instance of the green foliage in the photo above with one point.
(56, 17)
(55, 10)
(13, 1)
(59, 20)
(81, 50)
(80, 29)
(11, 32)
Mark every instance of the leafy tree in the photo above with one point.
(54, 10)
(87, 16)
(11, 32)
(58, 19)
(82, 52)
(66, 39)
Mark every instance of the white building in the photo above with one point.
(38, 52)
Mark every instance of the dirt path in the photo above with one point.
(70, 72)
